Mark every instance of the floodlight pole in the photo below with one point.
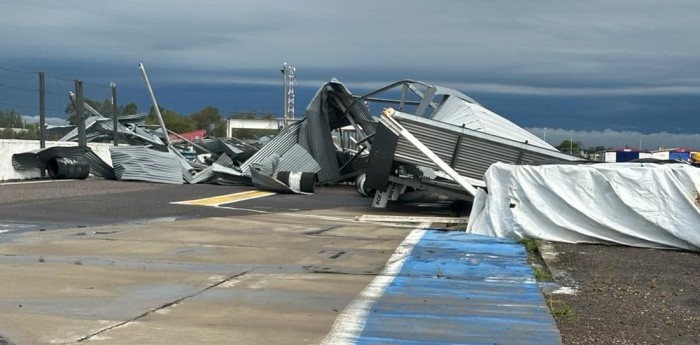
(155, 105)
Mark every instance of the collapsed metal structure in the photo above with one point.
(442, 141)
(429, 138)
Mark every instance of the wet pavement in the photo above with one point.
(282, 269)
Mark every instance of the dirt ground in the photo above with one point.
(626, 295)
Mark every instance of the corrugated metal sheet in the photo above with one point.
(476, 150)
(473, 116)
(298, 160)
(279, 145)
(329, 109)
(37, 159)
(458, 288)
(318, 127)
(142, 164)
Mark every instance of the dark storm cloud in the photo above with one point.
(581, 65)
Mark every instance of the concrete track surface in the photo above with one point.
(273, 270)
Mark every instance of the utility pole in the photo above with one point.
(42, 112)
(82, 137)
(545, 135)
(115, 123)
(571, 146)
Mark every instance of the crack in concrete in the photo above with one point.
(166, 305)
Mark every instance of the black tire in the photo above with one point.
(307, 181)
(68, 168)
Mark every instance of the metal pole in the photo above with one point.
(82, 139)
(395, 126)
(571, 146)
(115, 123)
(284, 95)
(155, 105)
(42, 111)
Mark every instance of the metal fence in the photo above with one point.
(36, 96)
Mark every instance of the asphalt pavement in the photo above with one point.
(128, 263)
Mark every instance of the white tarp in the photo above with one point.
(642, 205)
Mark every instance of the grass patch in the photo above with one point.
(534, 258)
(560, 310)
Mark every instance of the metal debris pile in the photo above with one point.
(426, 139)
(436, 140)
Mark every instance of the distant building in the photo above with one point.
(674, 154)
(625, 154)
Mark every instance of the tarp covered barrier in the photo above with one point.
(641, 205)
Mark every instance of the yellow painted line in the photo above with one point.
(225, 199)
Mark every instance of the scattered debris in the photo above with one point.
(42, 158)
(432, 139)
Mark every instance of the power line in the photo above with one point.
(17, 105)
(15, 71)
(17, 88)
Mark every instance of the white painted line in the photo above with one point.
(411, 219)
(349, 324)
(35, 182)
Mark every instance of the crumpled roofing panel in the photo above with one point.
(37, 159)
(473, 116)
(139, 163)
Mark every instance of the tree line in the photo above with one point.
(208, 118)
(576, 148)
(14, 127)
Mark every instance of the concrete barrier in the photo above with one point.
(8, 147)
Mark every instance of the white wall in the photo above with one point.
(8, 147)
(660, 155)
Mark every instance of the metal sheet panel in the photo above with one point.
(473, 116)
(298, 160)
(279, 145)
(37, 159)
(144, 164)
(458, 288)
(476, 150)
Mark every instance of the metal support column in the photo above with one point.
(114, 113)
(82, 138)
(42, 111)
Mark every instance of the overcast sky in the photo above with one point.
(626, 66)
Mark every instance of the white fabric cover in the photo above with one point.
(642, 205)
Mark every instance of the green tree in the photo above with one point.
(570, 147)
(11, 119)
(208, 119)
(127, 109)
(594, 149)
(172, 120)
